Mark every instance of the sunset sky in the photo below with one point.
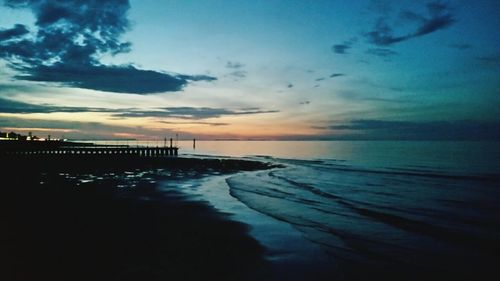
(261, 69)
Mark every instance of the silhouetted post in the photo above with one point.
(194, 143)
(165, 142)
(171, 143)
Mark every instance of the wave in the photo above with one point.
(408, 170)
(359, 213)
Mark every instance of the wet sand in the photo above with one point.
(57, 227)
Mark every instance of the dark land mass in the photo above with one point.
(54, 226)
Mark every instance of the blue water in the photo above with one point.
(432, 206)
(369, 215)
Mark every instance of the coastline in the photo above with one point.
(290, 254)
(90, 217)
(68, 220)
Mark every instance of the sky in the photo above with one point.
(259, 70)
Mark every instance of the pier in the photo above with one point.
(15, 148)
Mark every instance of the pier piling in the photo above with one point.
(102, 151)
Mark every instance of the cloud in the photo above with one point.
(119, 79)
(382, 35)
(438, 17)
(192, 113)
(16, 107)
(342, 48)
(17, 31)
(334, 75)
(71, 36)
(196, 77)
(305, 102)
(289, 85)
(426, 130)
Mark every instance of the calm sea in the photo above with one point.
(481, 157)
(409, 206)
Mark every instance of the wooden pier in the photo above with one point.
(69, 149)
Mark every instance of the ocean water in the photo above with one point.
(404, 207)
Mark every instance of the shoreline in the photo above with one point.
(60, 225)
(100, 163)
(290, 254)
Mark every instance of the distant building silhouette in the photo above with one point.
(12, 136)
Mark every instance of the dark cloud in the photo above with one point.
(381, 52)
(17, 107)
(438, 17)
(71, 36)
(290, 85)
(13, 33)
(120, 79)
(305, 102)
(382, 34)
(334, 75)
(196, 77)
(192, 113)
(342, 48)
(431, 130)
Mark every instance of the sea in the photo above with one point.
(349, 209)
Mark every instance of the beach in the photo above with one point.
(237, 217)
(67, 221)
